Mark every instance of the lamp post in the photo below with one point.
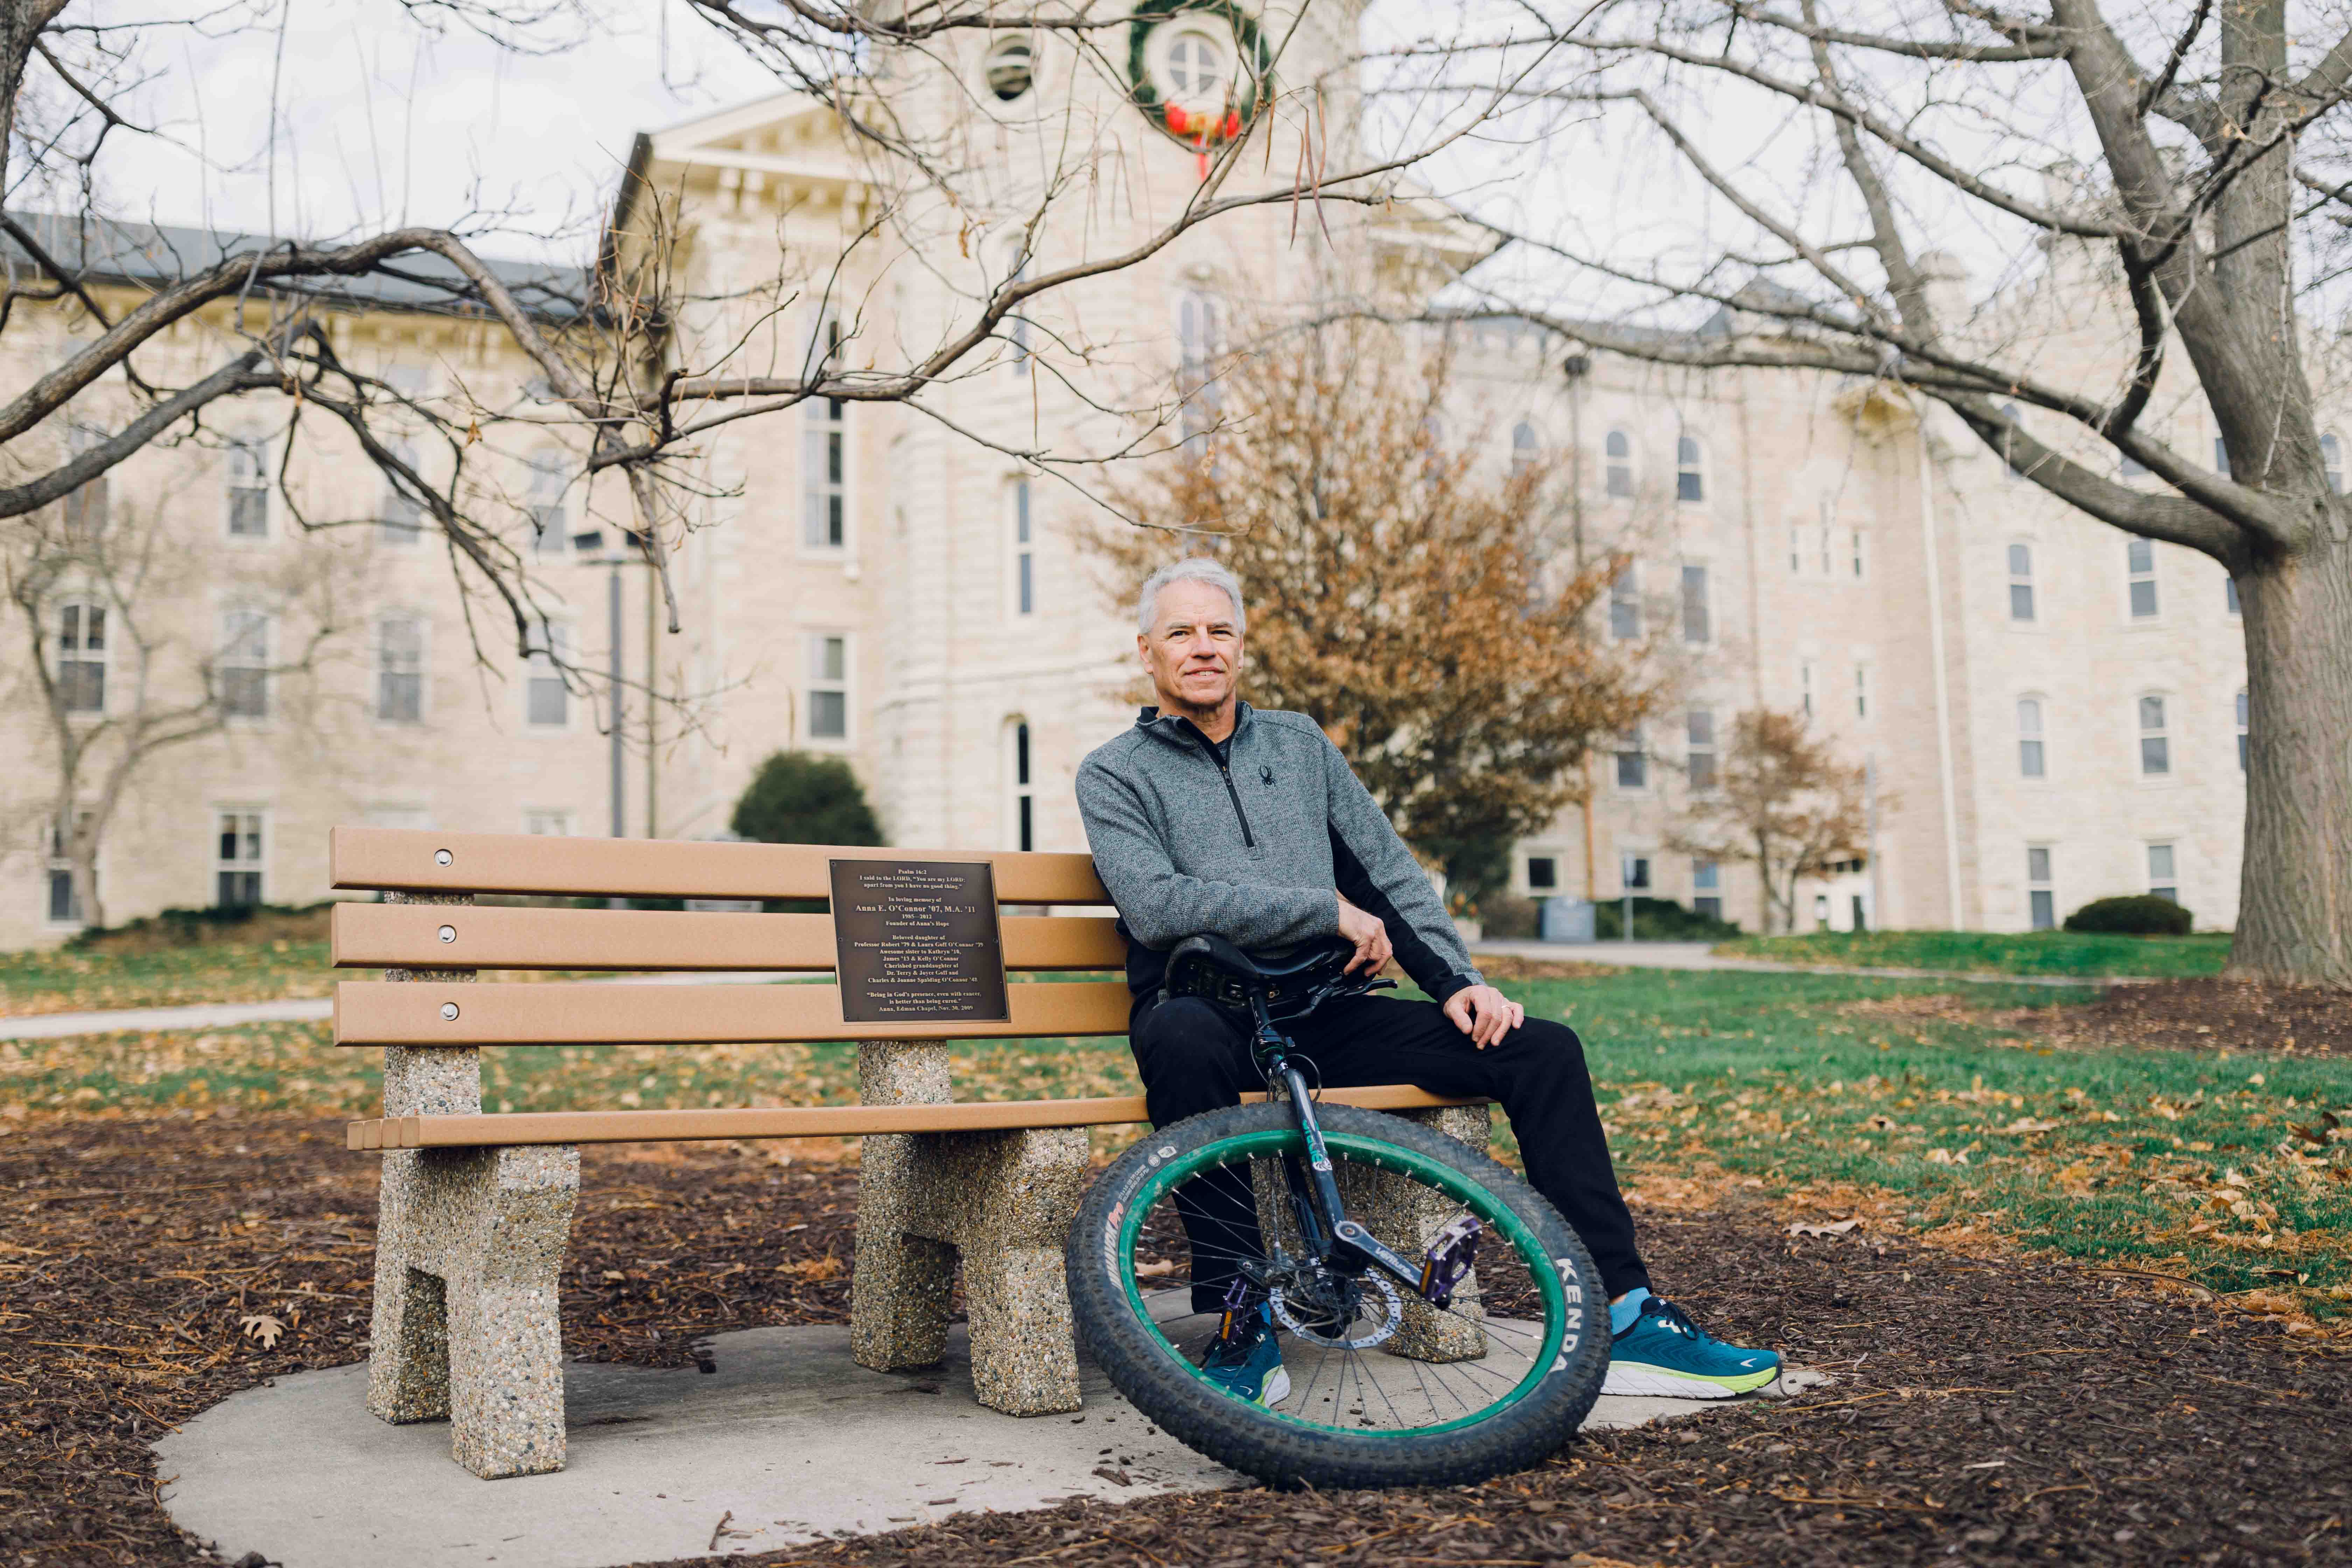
(590, 547)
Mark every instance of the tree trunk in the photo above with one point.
(2295, 922)
(85, 883)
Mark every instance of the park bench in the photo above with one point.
(476, 1208)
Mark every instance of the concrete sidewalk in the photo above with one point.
(788, 1442)
(1701, 955)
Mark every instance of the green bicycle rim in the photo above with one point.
(1541, 1268)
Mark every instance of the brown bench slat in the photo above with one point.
(404, 859)
(408, 936)
(408, 1013)
(797, 1121)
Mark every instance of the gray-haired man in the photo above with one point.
(1212, 818)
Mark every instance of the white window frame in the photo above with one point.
(544, 507)
(1526, 447)
(1625, 603)
(2331, 460)
(1021, 549)
(1705, 604)
(1861, 555)
(2045, 886)
(2134, 575)
(2022, 578)
(1796, 548)
(236, 484)
(1706, 888)
(58, 864)
(1015, 52)
(1632, 748)
(1690, 469)
(385, 672)
(237, 661)
(815, 681)
(253, 822)
(2160, 733)
(1619, 476)
(1700, 757)
(1805, 686)
(2006, 451)
(824, 435)
(1020, 783)
(539, 674)
(88, 610)
(1861, 712)
(400, 517)
(2164, 883)
(547, 822)
(2034, 737)
(1199, 331)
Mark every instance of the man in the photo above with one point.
(1209, 817)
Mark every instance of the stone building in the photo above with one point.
(2053, 712)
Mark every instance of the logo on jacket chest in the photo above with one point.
(1265, 775)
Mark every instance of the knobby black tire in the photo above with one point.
(1283, 1453)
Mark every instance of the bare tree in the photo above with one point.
(2189, 158)
(1782, 803)
(638, 394)
(118, 672)
(1406, 590)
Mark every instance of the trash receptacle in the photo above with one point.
(1566, 920)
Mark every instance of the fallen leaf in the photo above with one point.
(1799, 1227)
(2027, 1124)
(261, 1326)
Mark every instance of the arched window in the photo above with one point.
(2331, 458)
(1524, 448)
(2030, 760)
(2155, 738)
(2244, 729)
(1023, 779)
(1618, 447)
(2020, 581)
(1010, 68)
(1690, 471)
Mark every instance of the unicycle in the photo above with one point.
(1437, 1320)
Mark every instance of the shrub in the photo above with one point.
(1657, 919)
(252, 924)
(1506, 919)
(797, 798)
(2137, 914)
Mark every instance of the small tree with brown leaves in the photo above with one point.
(1782, 803)
(1402, 592)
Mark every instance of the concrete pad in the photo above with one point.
(788, 1442)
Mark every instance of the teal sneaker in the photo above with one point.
(1248, 1363)
(1664, 1352)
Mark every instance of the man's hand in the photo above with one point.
(1370, 935)
(1484, 1013)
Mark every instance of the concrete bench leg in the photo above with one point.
(1401, 1212)
(1001, 1201)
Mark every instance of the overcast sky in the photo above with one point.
(385, 122)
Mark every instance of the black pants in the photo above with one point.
(1195, 1056)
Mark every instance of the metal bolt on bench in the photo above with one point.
(476, 1208)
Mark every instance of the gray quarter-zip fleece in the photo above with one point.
(1256, 849)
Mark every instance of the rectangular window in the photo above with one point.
(1633, 762)
(2155, 744)
(548, 824)
(1706, 889)
(237, 862)
(825, 439)
(400, 670)
(2162, 882)
(244, 664)
(1697, 624)
(2133, 468)
(547, 701)
(1796, 553)
(1858, 557)
(2222, 457)
(828, 693)
(1025, 793)
(1805, 689)
(400, 518)
(1699, 729)
(64, 905)
(2029, 737)
(2139, 562)
(2041, 899)
(248, 490)
(550, 524)
(1861, 691)
(1625, 605)
(1543, 874)
(81, 658)
(2230, 596)
(2020, 581)
(1826, 568)
(1025, 553)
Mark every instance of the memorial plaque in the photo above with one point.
(916, 942)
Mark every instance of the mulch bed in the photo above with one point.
(1985, 1412)
(2205, 1014)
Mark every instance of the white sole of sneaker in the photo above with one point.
(1658, 1385)
(1277, 1390)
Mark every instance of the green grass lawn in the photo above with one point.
(1994, 953)
(64, 981)
(2191, 1164)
